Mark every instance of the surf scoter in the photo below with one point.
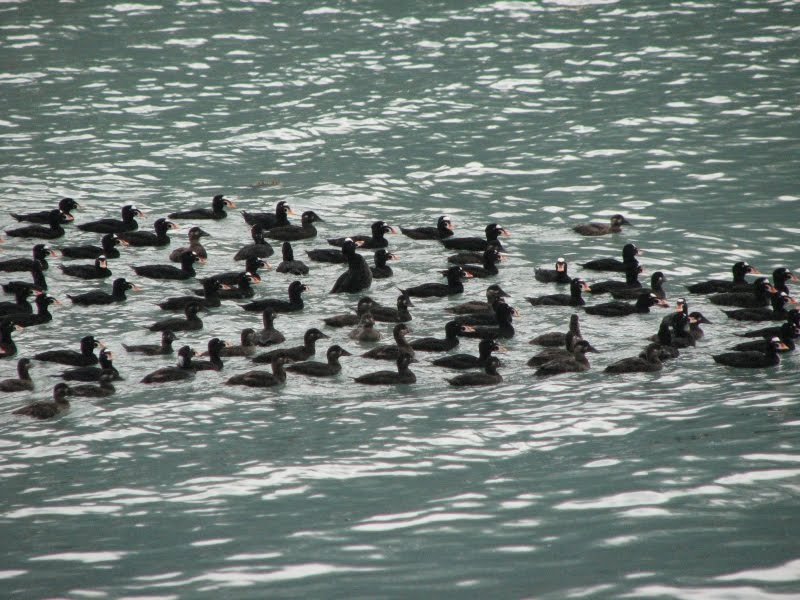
(738, 283)
(753, 359)
(266, 221)
(557, 275)
(758, 295)
(369, 242)
(242, 290)
(194, 234)
(23, 381)
(290, 233)
(214, 353)
(488, 267)
(577, 363)
(452, 330)
(99, 297)
(574, 298)
(787, 333)
(557, 338)
(39, 283)
(792, 317)
(262, 378)
(191, 322)
(98, 270)
(216, 212)
(102, 390)
(8, 347)
(320, 369)
(108, 248)
(48, 410)
(364, 305)
(269, 336)
(20, 305)
(657, 281)
(82, 358)
(779, 278)
(403, 375)
(777, 312)
(468, 361)
(609, 285)
(158, 237)
(553, 353)
(621, 309)
(388, 314)
(392, 351)
(592, 229)
(165, 347)
(492, 231)
(696, 318)
(260, 248)
(289, 264)
(186, 270)
(54, 230)
(127, 223)
(365, 332)
(358, 275)
(636, 364)
(18, 264)
(93, 373)
(629, 254)
(489, 376)
(453, 286)
(65, 205)
(183, 371)
(42, 315)
(493, 293)
(209, 299)
(504, 328)
(293, 304)
(246, 347)
(469, 257)
(304, 352)
(442, 230)
(381, 270)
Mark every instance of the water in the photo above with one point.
(682, 116)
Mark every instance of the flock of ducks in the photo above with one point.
(489, 321)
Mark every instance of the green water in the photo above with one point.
(682, 116)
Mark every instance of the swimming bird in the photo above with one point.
(469, 257)
(21, 304)
(392, 351)
(575, 364)
(696, 318)
(558, 338)
(320, 369)
(551, 353)
(209, 299)
(489, 376)
(453, 286)
(629, 254)
(186, 270)
(657, 281)
(290, 233)
(557, 275)
(289, 264)
(397, 314)
(158, 237)
(65, 205)
(195, 234)
(262, 378)
(100, 297)
(191, 322)
(488, 267)
(303, 352)
(492, 231)
(54, 229)
(108, 248)
(243, 289)
(214, 352)
(18, 264)
(493, 293)
(246, 347)
(738, 283)
(42, 315)
(102, 390)
(369, 242)
(753, 359)
(363, 306)
(381, 270)
(636, 364)
(592, 229)
(278, 218)
(39, 283)
(618, 308)
(358, 275)
(8, 347)
(787, 333)
(403, 375)
(183, 371)
(260, 248)
(780, 277)
(758, 295)
(293, 304)
(609, 285)
(251, 265)
(503, 327)
(365, 332)
(216, 212)
(165, 347)
(574, 298)
(23, 381)
(468, 361)
(93, 373)
(127, 223)
(443, 229)
(792, 317)
(98, 270)
(452, 330)
(777, 312)
(82, 358)
(48, 410)
(269, 336)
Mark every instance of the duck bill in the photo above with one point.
(782, 346)
(467, 329)
(202, 261)
(136, 288)
(392, 229)
(467, 275)
(255, 278)
(54, 253)
(171, 225)
(791, 300)
(344, 352)
(585, 287)
(515, 312)
(123, 242)
(793, 277)
(203, 233)
(449, 226)
(68, 217)
(663, 303)
(359, 243)
(502, 349)
(56, 301)
(140, 213)
(230, 203)
(504, 232)
(290, 211)
(753, 271)
(225, 286)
